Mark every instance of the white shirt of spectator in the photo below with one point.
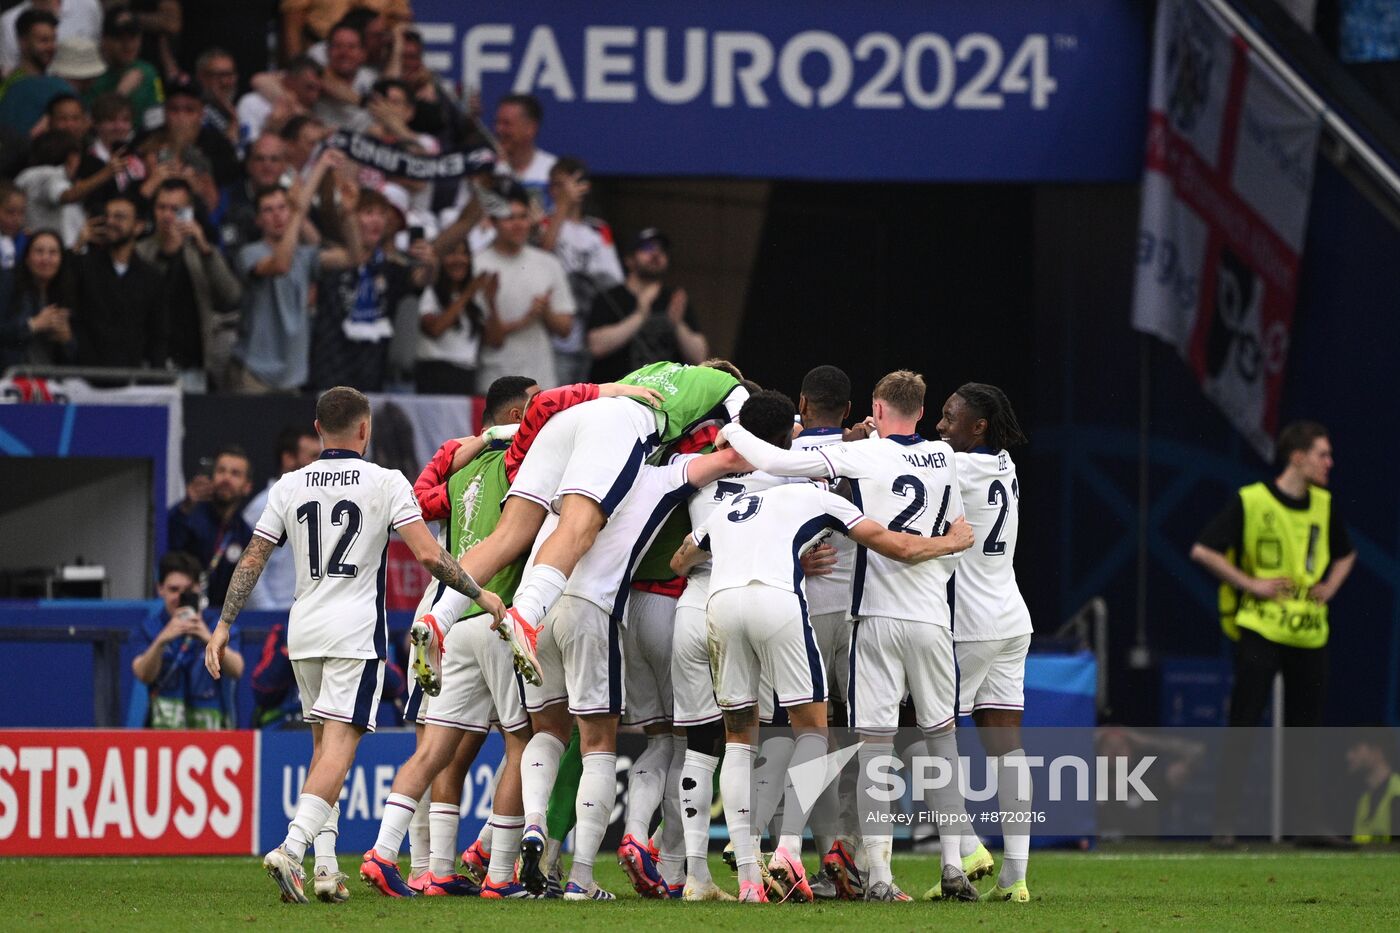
(459, 345)
(526, 352)
(759, 536)
(252, 110)
(43, 185)
(278, 584)
(77, 19)
(586, 247)
(535, 177)
(987, 604)
(352, 505)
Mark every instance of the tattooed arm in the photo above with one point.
(245, 577)
(444, 567)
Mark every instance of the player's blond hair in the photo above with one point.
(902, 390)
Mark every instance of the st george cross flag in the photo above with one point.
(1225, 194)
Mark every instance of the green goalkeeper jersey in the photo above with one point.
(476, 492)
(691, 395)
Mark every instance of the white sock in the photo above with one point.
(672, 825)
(1014, 796)
(735, 783)
(697, 795)
(324, 844)
(553, 849)
(506, 837)
(449, 608)
(398, 813)
(769, 779)
(968, 845)
(443, 820)
(947, 800)
(539, 766)
(420, 836)
(484, 836)
(810, 746)
(312, 813)
(538, 592)
(597, 792)
(646, 784)
(876, 840)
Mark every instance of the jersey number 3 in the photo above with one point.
(344, 513)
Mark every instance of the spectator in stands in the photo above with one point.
(390, 108)
(217, 73)
(272, 352)
(304, 22)
(77, 19)
(208, 523)
(358, 302)
(436, 110)
(345, 82)
(184, 128)
(265, 167)
(518, 119)
(119, 318)
(35, 307)
(181, 694)
(643, 320)
(77, 62)
(64, 113)
(112, 122)
(278, 98)
(12, 235)
(302, 134)
(161, 23)
(54, 197)
(27, 90)
(527, 300)
(127, 74)
(451, 323)
(584, 246)
(296, 447)
(201, 293)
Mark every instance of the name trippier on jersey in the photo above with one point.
(333, 478)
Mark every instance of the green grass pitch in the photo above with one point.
(1163, 887)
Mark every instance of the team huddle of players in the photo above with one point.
(679, 551)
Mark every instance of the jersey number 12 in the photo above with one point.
(344, 513)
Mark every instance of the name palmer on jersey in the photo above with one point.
(987, 603)
(337, 514)
(905, 482)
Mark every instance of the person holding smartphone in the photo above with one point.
(202, 294)
(450, 325)
(170, 662)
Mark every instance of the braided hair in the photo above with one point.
(989, 402)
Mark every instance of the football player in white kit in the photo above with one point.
(991, 625)
(901, 641)
(337, 513)
(580, 656)
(824, 405)
(758, 624)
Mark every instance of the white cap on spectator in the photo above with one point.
(78, 59)
(397, 196)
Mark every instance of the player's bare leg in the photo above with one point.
(597, 792)
(333, 750)
(521, 520)
(1000, 732)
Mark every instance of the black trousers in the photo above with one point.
(1304, 671)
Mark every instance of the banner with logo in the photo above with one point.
(90, 792)
(1226, 190)
(959, 90)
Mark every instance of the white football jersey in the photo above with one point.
(906, 483)
(987, 603)
(758, 537)
(337, 514)
(830, 593)
(603, 573)
(706, 500)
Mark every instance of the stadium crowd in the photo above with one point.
(154, 217)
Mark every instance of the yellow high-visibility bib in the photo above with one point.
(1281, 542)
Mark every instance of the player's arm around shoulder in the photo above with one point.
(688, 556)
(245, 577)
(913, 548)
